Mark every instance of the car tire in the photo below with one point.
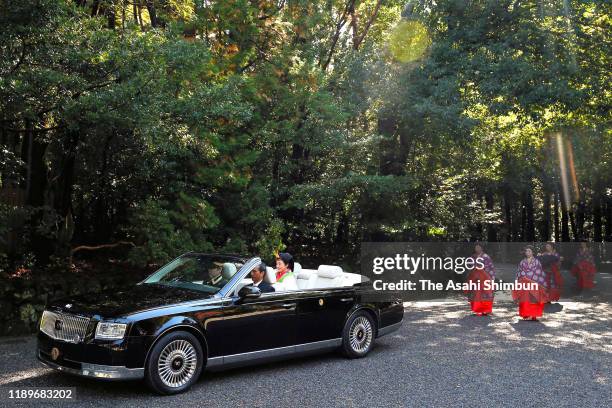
(174, 364)
(358, 335)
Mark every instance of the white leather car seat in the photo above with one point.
(270, 276)
(228, 270)
(350, 279)
(306, 279)
(329, 276)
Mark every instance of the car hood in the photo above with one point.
(119, 303)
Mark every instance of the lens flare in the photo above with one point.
(572, 169)
(567, 170)
(409, 41)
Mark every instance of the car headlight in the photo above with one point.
(110, 331)
(45, 316)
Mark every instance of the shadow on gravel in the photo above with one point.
(553, 308)
(529, 328)
(473, 321)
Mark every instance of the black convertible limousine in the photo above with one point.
(176, 322)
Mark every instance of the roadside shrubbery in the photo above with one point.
(25, 290)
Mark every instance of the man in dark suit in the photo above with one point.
(257, 274)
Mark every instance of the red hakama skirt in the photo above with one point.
(555, 282)
(531, 302)
(584, 271)
(530, 310)
(483, 307)
(481, 301)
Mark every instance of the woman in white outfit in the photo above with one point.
(285, 278)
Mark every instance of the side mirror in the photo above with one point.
(249, 292)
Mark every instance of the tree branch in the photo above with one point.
(360, 38)
(103, 246)
(21, 58)
(341, 22)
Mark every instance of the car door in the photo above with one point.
(263, 323)
(321, 314)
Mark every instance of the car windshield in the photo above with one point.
(204, 273)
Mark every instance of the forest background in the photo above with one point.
(132, 131)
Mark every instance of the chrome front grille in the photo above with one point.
(63, 326)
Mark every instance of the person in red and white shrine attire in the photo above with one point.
(531, 301)
(481, 300)
(550, 261)
(584, 267)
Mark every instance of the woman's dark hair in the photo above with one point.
(261, 267)
(287, 259)
(528, 247)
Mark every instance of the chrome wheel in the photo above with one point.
(177, 363)
(360, 334)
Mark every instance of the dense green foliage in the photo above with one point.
(157, 127)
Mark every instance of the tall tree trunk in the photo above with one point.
(556, 216)
(508, 216)
(581, 212)
(37, 169)
(150, 4)
(402, 153)
(111, 17)
(42, 246)
(565, 229)
(101, 224)
(479, 227)
(26, 152)
(575, 233)
(35, 196)
(139, 8)
(95, 8)
(597, 227)
(297, 157)
(65, 180)
(492, 227)
(545, 232)
(123, 15)
(517, 221)
(388, 145)
(277, 155)
(135, 12)
(529, 233)
(342, 230)
(102, 230)
(354, 26)
(523, 232)
(608, 218)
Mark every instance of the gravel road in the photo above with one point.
(442, 356)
